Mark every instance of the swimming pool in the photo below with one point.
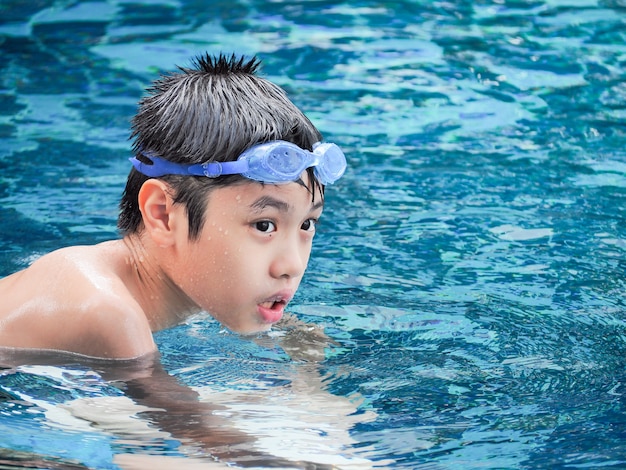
(469, 268)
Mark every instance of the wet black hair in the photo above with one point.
(209, 112)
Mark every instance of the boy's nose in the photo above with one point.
(289, 261)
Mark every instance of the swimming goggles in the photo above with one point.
(273, 162)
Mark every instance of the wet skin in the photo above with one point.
(106, 300)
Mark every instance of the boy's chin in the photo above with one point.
(250, 330)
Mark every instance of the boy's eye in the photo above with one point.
(265, 226)
(309, 225)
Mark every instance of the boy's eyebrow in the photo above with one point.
(317, 205)
(269, 201)
(281, 206)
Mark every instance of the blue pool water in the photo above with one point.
(470, 268)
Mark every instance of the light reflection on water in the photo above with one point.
(469, 266)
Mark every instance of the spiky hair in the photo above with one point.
(214, 110)
(223, 65)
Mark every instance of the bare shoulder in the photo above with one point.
(74, 299)
(112, 326)
(66, 277)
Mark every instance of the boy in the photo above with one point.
(218, 215)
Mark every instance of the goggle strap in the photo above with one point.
(162, 167)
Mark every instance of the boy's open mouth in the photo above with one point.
(272, 309)
(273, 304)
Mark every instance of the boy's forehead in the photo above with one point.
(258, 196)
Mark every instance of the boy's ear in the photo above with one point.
(156, 206)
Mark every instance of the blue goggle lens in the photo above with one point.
(333, 165)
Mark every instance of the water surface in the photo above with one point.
(469, 266)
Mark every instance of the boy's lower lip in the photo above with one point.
(272, 314)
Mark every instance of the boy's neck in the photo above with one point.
(162, 301)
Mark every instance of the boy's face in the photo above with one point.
(252, 252)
